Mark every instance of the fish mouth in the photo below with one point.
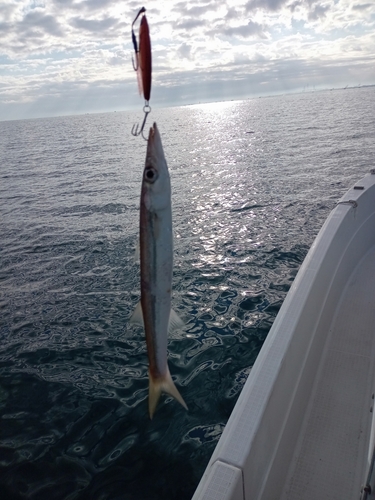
(154, 146)
(153, 131)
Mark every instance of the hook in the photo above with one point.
(135, 131)
(141, 11)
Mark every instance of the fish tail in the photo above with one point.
(159, 385)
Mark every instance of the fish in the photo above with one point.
(156, 266)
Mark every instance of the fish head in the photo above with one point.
(156, 187)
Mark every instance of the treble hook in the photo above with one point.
(135, 131)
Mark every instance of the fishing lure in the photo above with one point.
(143, 66)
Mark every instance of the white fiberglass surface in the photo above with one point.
(331, 456)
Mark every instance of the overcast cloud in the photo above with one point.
(74, 56)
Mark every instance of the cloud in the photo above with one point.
(250, 29)
(37, 20)
(185, 9)
(189, 24)
(94, 25)
(64, 3)
(312, 10)
(268, 5)
(80, 50)
(232, 13)
(184, 50)
(318, 12)
(5, 28)
(93, 5)
(362, 6)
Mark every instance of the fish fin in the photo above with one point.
(137, 316)
(175, 322)
(159, 385)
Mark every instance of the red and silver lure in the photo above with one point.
(143, 66)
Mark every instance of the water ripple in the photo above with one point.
(246, 208)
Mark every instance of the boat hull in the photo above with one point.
(286, 437)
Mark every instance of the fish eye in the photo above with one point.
(150, 174)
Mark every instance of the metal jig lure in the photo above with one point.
(143, 67)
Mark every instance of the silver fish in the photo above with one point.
(156, 258)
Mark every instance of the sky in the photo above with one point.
(63, 57)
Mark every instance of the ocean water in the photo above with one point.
(252, 183)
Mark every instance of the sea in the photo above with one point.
(252, 183)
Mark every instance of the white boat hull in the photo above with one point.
(301, 427)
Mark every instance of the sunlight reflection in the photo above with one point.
(210, 107)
